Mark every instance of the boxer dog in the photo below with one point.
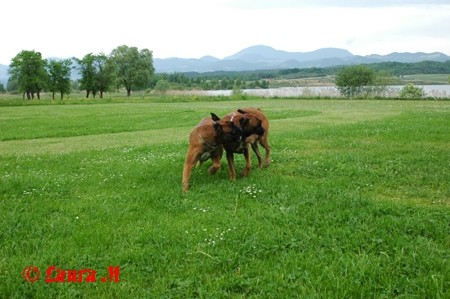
(206, 141)
(256, 138)
(254, 131)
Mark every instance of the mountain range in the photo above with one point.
(264, 57)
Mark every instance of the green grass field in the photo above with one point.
(356, 202)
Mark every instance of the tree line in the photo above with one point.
(394, 68)
(185, 81)
(132, 69)
(353, 80)
(125, 67)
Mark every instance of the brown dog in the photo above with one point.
(255, 138)
(206, 141)
(253, 131)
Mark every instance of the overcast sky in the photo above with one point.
(195, 28)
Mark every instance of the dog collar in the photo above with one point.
(206, 142)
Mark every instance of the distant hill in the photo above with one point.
(264, 57)
(269, 54)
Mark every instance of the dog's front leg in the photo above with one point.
(216, 165)
(216, 156)
(230, 159)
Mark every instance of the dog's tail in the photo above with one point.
(242, 111)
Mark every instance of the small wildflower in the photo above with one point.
(251, 191)
(213, 239)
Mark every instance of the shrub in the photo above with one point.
(162, 86)
(352, 81)
(410, 91)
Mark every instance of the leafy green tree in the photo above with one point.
(133, 68)
(104, 73)
(59, 76)
(352, 81)
(28, 68)
(86, 69)
(2, 88)
(162, 86)
(97, 74)
(410, 91)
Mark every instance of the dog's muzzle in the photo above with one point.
(237, 134)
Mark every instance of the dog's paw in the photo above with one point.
(212, 170)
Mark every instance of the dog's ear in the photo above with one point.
(218, 128)
(241, 111)
(214, 117)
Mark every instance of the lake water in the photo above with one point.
(435, 91)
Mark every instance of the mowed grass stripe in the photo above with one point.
(31, 122)
(75, 137)
(92, 142)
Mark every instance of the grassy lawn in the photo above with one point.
(356, 202)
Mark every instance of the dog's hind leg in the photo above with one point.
(265, 144)
(192, 157)
(253, 140)
(257, 152)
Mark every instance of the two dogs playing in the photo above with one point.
(236, 132)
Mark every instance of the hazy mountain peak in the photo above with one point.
(333, 52)
(259, 50)
(209, 58)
